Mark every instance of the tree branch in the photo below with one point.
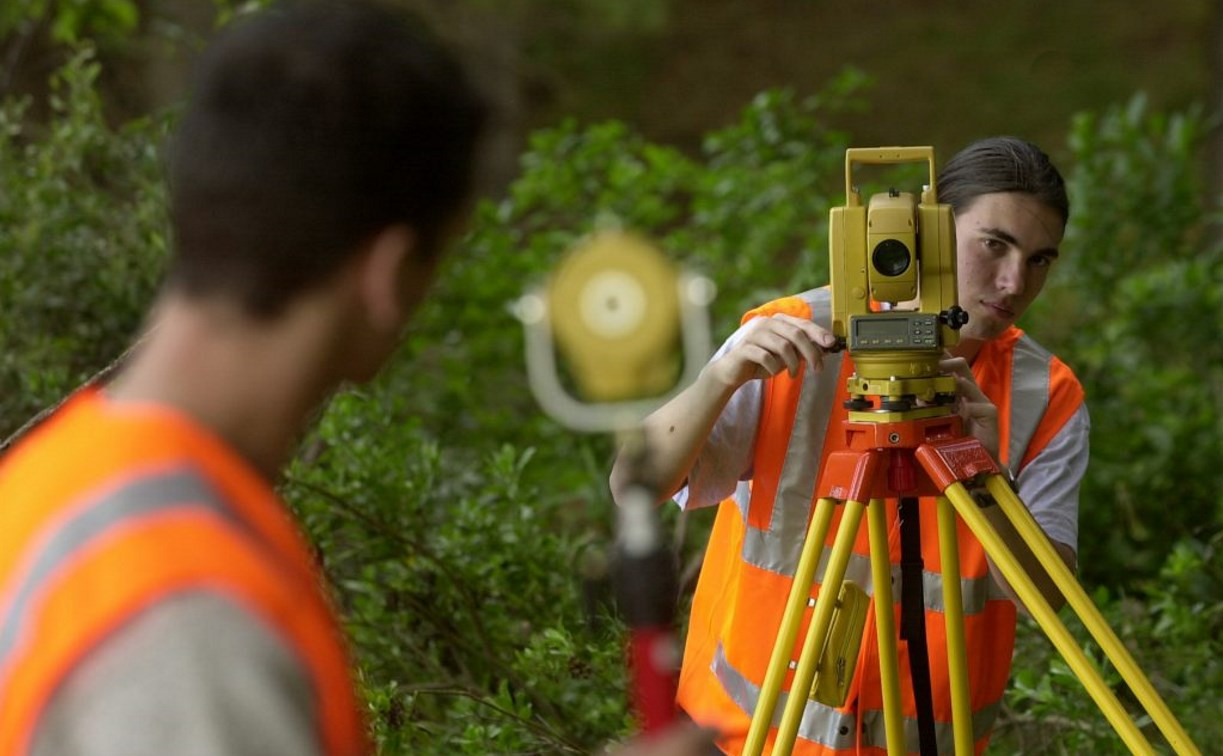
(419, 548)
(538, 727)
(97, 379)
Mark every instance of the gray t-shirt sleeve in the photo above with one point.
(1049, 484)
(194, 675)
(726, 456)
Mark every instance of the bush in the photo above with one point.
(456, 580)
(1172, 624)
(463, 530)
(1128, 314)
(82, 240)
(455, 519)
(1131, 315)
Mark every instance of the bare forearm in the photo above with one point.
(980, 417)
(1028, 560)
(674, 435)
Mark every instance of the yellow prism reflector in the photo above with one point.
(615, 312)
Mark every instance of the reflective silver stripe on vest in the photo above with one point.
(974, 591)
(778, 548)
(743, 500)
(165, 490)
(1030, 364)
(874, 729)
(836, 729)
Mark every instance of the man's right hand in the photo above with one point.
(676, 431)
(770, 345)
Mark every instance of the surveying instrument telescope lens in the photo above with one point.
(891, 257)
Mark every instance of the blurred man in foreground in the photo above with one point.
(155, 595)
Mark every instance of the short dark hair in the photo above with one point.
(314, 125)
(1002, 164)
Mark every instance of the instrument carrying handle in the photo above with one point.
(885, 156)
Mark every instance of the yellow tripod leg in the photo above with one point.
(953, 616)
(817, 631)
(1014, 573)
(800, 589)
(1083, 606)
(885, 627)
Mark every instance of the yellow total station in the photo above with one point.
(894, 305)
(892, 266)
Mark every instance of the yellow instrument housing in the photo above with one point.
(904, 339)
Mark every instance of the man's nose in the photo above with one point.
(1012, 275)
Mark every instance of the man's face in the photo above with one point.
(1006, 243)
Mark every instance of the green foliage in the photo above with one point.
(761, 216)
(228, 10)
(82, 238)
(751, 211)
(73, 20)
(1131, 315)
(456, 580)
(455, 519)
(457, 524)
(1172, 624)
(101, 22)
(1137, 198)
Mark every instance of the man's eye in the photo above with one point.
(993, 245)
(1041, 261)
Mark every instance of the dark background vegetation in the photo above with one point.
(464, 531)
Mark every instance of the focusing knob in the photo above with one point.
(954, 318)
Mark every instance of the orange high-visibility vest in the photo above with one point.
(757, 537)
(108, 509)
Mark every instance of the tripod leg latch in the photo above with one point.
(961, 459)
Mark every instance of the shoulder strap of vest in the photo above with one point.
(1044, 394)
(795, 412)
(811, 305)
(1029, 396)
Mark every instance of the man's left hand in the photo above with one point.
(980, 415)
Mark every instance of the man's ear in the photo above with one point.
(381, 274)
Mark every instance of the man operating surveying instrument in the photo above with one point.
(883, 428)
